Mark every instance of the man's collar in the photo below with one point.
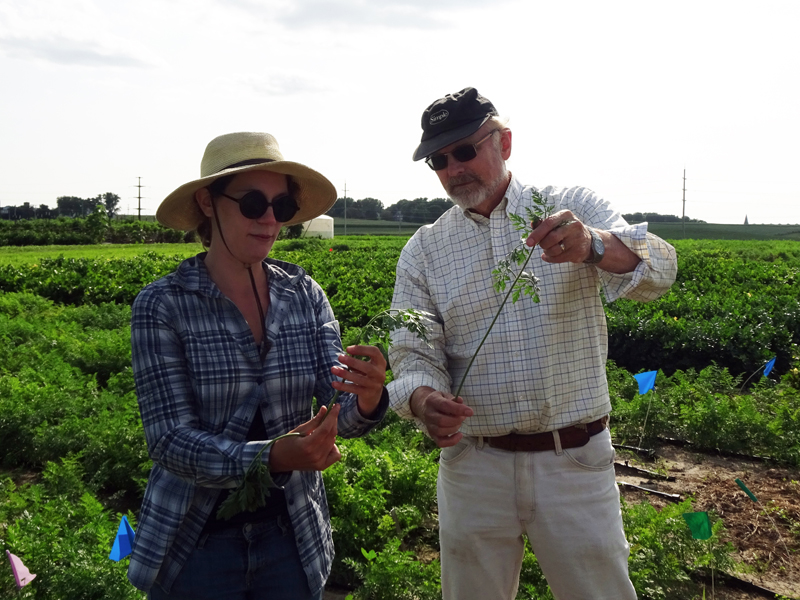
(514, 196)
(468, 212)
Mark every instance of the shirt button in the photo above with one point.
(259, 380)
(300, 540)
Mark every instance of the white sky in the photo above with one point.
(619, 96)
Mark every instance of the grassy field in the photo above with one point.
(714, 231)
(668, 231)
(17, 255)
(357, 228)
(366, 227)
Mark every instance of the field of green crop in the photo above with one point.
(74, 458)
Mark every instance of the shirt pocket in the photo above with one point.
(216, 368)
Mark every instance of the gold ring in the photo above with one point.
(561, 245)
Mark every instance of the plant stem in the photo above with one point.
(499, 310)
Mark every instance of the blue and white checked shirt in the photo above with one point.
(543, 365)
(199, 381)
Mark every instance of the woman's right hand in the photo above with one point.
(315, 451)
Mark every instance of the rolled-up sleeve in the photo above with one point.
(658, 268)
(652, 277)
(414, 363)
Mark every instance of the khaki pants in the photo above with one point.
(566, 501)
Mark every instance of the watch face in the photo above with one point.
(597, 245)
(598, 248)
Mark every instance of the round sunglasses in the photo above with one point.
(463, 153)
(254, 205)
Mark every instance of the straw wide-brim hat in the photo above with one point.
(234, 153)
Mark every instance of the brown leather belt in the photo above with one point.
(571, 437)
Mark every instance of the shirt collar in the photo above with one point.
(192, 275)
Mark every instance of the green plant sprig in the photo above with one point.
(524, 282)
(378, 331)
(254, 489)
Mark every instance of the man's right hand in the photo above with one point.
(441, 413)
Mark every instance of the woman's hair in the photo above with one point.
(218, 187)
(215, 188)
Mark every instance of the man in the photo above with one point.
(526, 448)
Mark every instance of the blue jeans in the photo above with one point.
(257, 562)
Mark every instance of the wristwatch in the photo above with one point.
(597, 248)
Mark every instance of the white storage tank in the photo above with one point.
(321, 227)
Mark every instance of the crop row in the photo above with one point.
(69, 421)
(735, 304)
(68, 411)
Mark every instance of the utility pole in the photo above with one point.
(140, 198)
(684, 204)
(345, 207)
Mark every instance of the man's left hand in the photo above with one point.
(562, 237)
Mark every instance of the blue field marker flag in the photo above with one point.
(123, 543)
(646, 381)
(769, 365)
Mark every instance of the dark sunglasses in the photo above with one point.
(463, 153)
(254, 205)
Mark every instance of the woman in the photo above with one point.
(228, 352)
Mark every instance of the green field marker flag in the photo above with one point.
(647, 381)
(699, 524)
(123, 543)
(741, 484)
(769, 365)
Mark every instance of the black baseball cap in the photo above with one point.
(452, 118)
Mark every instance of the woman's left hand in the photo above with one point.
(364, 379)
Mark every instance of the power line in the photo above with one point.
(345, 207)
(140, 198)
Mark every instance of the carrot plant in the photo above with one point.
(522, 282)
(254, 489)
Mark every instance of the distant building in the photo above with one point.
(321, 227)
(745, 220)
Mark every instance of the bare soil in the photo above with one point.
(765, 534)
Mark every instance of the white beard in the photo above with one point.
(477, 193)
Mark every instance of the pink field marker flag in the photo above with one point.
(21, 573)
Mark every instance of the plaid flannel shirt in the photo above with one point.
(199, 381)
(543, 365)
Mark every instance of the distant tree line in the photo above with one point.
(657, 218)
(67, 206)
(422, 210)
(419, 210)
